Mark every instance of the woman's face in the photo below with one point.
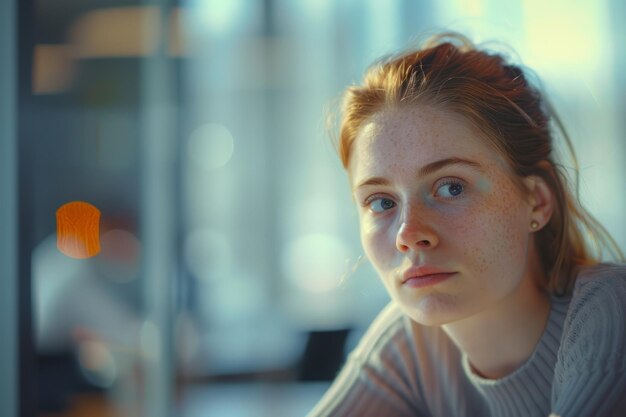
(441, 220)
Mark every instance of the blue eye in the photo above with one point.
(381, 204)
(450, 189)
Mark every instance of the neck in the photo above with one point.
(499, 340)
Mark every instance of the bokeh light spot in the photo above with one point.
(97, 363)
(315, 262)
(210, 146)
(220, 16)
(78, 225)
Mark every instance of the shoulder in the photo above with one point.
(379, 377)
(388, 328)
(598, 284)
(591, 364)
(601, 275)
(597, 311)
(599, 298)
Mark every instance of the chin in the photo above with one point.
(434, 309)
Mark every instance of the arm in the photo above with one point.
(375, 381)
(590, 375)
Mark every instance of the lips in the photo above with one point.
(425, 273)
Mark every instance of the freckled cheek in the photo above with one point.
(457, 222)
(494, 239)
(467, 234)
(378, 243)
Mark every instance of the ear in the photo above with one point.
(541, 199)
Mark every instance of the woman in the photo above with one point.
(499, 307)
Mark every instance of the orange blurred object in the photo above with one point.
(78, 225)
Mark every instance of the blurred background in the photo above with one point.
(229, 280)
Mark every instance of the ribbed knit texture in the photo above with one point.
(578, 367)
(591, 369)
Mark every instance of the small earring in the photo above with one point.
(534, 224)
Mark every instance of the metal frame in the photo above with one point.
(158, 158)
(8, 210)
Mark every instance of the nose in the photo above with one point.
(415, 234)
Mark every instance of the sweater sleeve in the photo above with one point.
(376, 379)
(590, 374)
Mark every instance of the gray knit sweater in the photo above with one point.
(578, 367)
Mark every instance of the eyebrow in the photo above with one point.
(427, 169)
